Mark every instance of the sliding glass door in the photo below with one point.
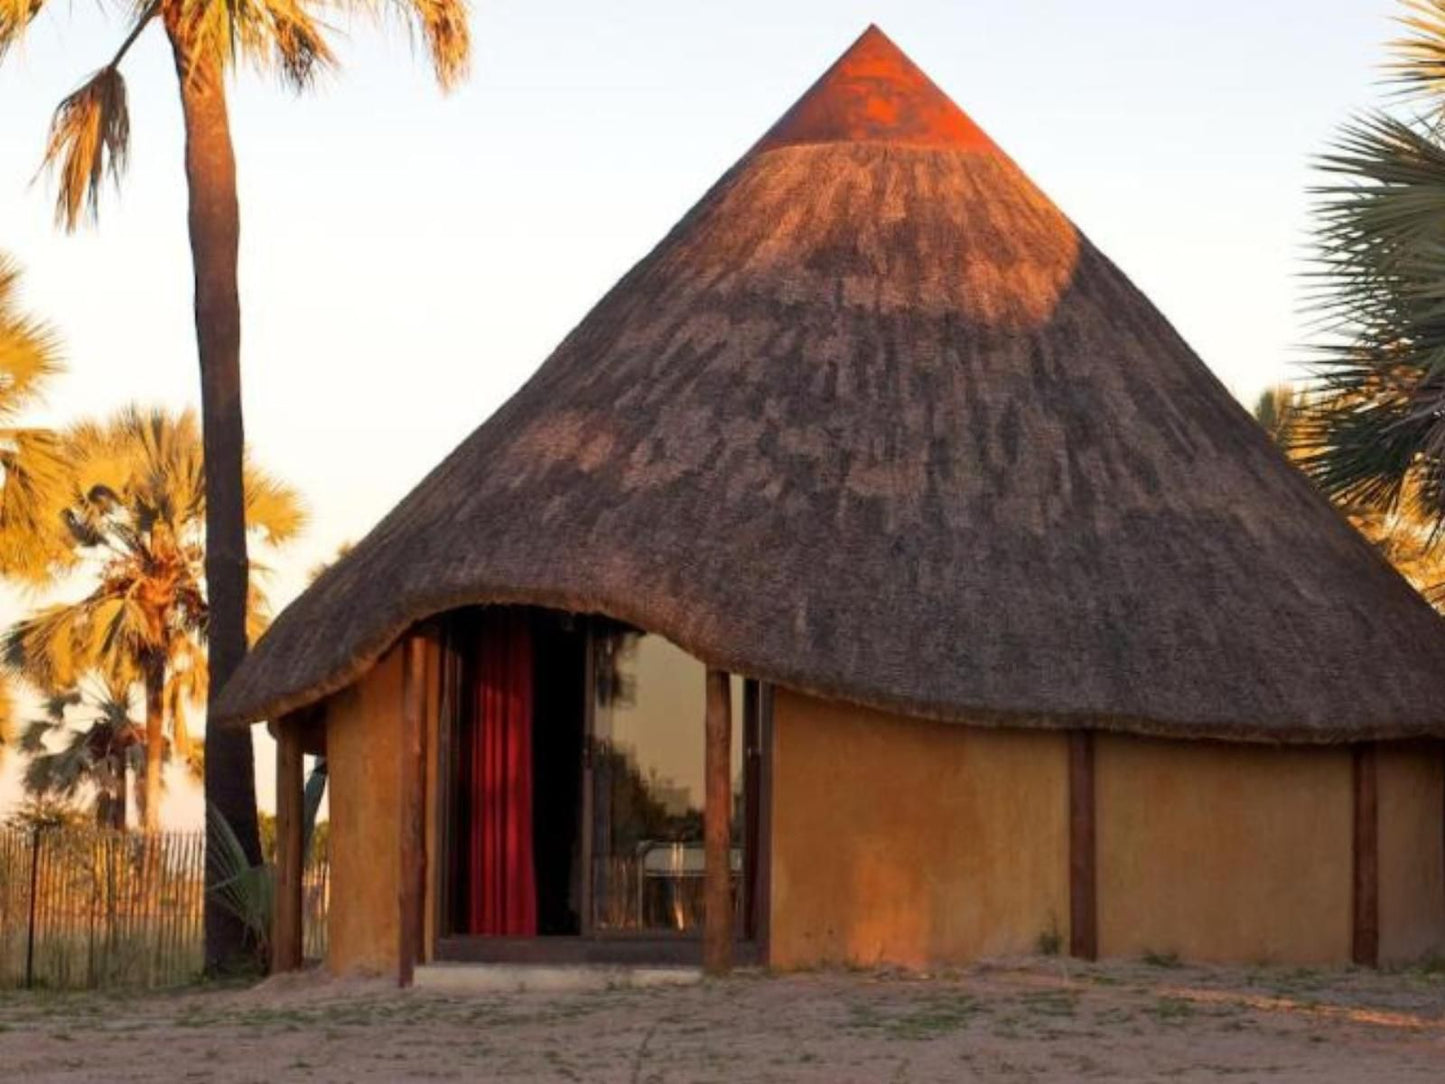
(647, 785)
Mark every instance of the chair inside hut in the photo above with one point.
(573, 789)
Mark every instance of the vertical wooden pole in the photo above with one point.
(717, 929)
(1365, 936)
(588, 916)
(763, 888)
(286, 950)
(411, 892)
(752, 805)
(32, 908)
(1083, 844)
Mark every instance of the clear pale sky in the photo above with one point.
(408, 259)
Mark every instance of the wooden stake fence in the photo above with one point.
(84, 908)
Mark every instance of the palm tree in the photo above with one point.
(136, 518)
(89, 139)
(97, 753)
(1374, 435)
(1403, 535)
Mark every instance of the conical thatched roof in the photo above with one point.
(876, 421)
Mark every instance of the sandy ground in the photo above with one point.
(1032, 1020)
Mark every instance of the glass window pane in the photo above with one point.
(648, 784)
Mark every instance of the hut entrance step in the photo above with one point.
(469, 978)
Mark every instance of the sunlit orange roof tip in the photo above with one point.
(875, 94)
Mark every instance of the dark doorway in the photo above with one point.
(558, 734)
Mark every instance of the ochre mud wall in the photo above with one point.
(912, 842)
(1221, 851)
(363, 733)
(1411, 782)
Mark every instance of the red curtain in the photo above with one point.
(502, 901)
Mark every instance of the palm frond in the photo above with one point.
(1380, 289)
(443, 28)
(15, 16)
(281, 36)
(287, 37)
(43, 648)
(187, 679)
(273, 509)
(89, 138)
(1405, 535)
(32, 738)
(1418, 58)
(33, 531)
(298, 45)
(247, 892)
(88, 756)
(35, 481)
(29, 348)
(1277, 410)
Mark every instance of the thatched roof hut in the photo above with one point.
(876, 425)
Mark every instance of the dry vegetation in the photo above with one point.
(1027, 1021)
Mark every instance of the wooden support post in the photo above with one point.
(411, 893)
(1365, 935)
(717, 929)
(1083, 845)
(290, 804)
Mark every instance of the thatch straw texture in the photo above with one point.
(876, 421)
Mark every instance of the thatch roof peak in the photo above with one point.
(874, 93)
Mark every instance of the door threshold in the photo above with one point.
(480, 978)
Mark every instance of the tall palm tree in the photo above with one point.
(1375, 437)
(89, 139)
(136, 518)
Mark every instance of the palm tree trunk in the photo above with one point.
(214, 222)
(155, 690)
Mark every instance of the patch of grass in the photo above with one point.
(1171, 1010)
(1049, 942)
(1051, 1003)
(1429, 969)
(928, 1018)
(1112, 1017)
(1162, 959)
